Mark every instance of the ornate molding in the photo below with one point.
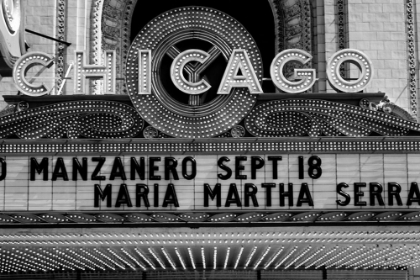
(412, 58)
(342, 20)
(61, 48)
(237, 218)
(294, 29)
(318, 145)
(293, 22)
(96, 38)
(92, 119)
(115, 20)
(300, 117)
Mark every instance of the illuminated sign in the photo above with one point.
(238, 74)
(205, 182)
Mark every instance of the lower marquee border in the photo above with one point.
(303, 145)
(196, 219)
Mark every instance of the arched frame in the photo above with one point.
(111, 27)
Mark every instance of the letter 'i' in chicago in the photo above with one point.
(208, 139)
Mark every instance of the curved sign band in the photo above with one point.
(160, 36)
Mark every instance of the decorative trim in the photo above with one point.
(293, 24)
(300, 117)
(116, 17)
(92, 119)
(96, 38)
(412, 59)
(92, 218)
(342, 20)
(61, 48)
(371, 145)
(342, 24)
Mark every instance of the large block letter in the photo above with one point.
(232, 78)
(22, 66)
(306, 77)
(356, 57)
(83, 71)
(178, 66)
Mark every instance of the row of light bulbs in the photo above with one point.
(361, 257)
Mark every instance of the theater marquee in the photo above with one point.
(195, 134)
(209, 182)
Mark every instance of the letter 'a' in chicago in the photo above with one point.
(185, 139)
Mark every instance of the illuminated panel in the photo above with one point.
(145, 258)
(262, 257)
(286, 257)
(156, 257)
(274, 257)
(306, 77)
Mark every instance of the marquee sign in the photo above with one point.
(206, 182)
(193, 171)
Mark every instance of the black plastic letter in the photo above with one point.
(212, 193)
(394, 190)
(153, 168)
(101, 161)
(81, 168)
(225, 168)
(268, 187)
(283, 194)
(3, 169)
(233, 196)
(251, 192)
(170, 197)
(103, 194)
(375, 191)
(239, 168)
(60, 170)
(304, 196)
(275, 160)
(136, 167)
(358, 193)
(117, 170)
(170, 167)
(123, 197)
(414, 194)
(344, 194)
(39, 167)
(142, 191)
(193, 168)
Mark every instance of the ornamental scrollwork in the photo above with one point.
(309, 117)
(77, 119)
